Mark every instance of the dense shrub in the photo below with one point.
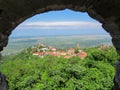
(27, 72)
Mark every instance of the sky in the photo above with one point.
(65, 22)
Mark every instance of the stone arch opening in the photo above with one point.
(106, 12)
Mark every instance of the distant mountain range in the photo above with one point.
(16, 44)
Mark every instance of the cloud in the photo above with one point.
(65, 23)
(61, 25)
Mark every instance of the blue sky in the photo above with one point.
(65, 22)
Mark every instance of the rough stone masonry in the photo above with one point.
(13, 12)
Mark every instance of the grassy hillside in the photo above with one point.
(27, 72)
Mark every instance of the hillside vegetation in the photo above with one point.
(27, 72)
(16, 45)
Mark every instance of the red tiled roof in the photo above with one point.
(82, 55)
(39, 53)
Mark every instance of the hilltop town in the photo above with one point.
(42, 50)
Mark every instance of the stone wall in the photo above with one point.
(13, 12)
(3, 82)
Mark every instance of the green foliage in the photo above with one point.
(76, 50)
(27, 72)
(109, 55)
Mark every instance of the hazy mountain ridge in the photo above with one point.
(16, 44)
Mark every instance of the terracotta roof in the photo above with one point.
(82, 54)
(67, 57)
(39, 53)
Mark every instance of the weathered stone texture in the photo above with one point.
(3, 82)
(13, 12)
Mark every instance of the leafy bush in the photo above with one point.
(27, 72)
